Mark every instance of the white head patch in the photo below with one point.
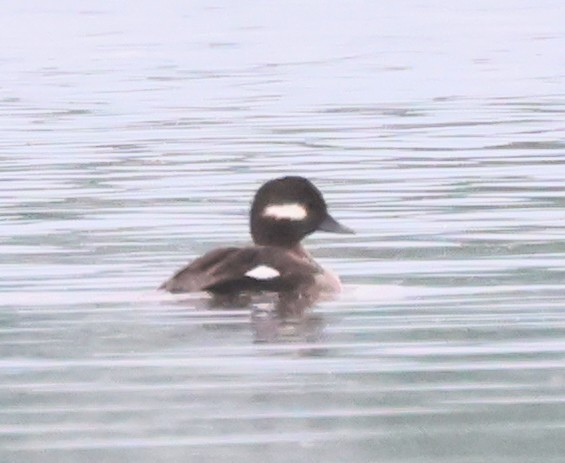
(293, 211)
(263, 272)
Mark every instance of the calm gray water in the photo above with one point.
(132, 137)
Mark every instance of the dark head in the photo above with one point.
(287, 209)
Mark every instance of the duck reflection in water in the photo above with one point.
(277, 267)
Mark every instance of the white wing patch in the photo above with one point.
(262, 272)
(292, 211)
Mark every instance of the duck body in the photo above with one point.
(284, 211)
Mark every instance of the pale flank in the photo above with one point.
(262, 272)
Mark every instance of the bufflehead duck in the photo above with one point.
(284, 211)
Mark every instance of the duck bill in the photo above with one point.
(329, 224)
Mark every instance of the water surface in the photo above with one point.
(132, 139)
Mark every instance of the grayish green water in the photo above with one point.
(132, 137)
